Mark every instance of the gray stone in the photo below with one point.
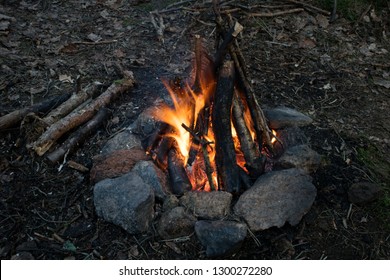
(301, 157)
(146, 123)
(125, 201)
(364, 192)
(171, 201)
(275, 198)
(220, 237)
(207, 205)
(176, 223)
(283, 117)
(23, 256)
(153, 176)
(124, 140)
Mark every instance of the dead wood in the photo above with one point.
(179, 180)
(254, 162)
(69, 105)
(79, 136)
(260, 124)
(309, 7)
(203, 143)
(74, 119)
(17, 116)
(228, 173)
(275, 14)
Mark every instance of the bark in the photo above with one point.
(78, 138)
(179, 180)
(17, 116)
(74, 119)
(253, 158)
(227, 169)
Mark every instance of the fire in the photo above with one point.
(273, 140)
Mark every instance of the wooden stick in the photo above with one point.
(17, 116)
(254, 162)
(275, 14)
(69, 105)
(79, 136)
(225, 158)
(310, 7)
(55, 131)
(209, 170)
(180, 182)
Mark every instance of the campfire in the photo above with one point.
(214, 135)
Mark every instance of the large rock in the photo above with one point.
(364, 192)
(207, 205)
(125, 140)
(115, 164)
(275, 198)
(153, 176)
(125, 201)
(301, 157)
(220, 237)
(285, 117)
(175, 223)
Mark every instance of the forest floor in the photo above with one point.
(337, 73)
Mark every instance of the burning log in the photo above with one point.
(15, 117)
(178, 176)
(254, 161)
(79, 136)
(228, 172)
(74, 119)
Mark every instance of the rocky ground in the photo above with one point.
(337, 73)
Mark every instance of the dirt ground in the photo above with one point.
(337, 73)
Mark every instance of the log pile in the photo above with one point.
(65, 113)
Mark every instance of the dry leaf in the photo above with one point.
(65, 78)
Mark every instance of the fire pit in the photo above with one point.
(216, 163)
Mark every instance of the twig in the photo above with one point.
(310, 7)
(204, 143)
(160, 27)
(275, 14)
(95, 43)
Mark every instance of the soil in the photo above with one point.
(337, 73)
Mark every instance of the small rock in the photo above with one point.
(220, 237)
(301, 157)
(176, 223)
(363, 192)
(125, 201)
(145, 124)
(27, 246)
(283, 116)
(153, 176)
(171, 201)
(23, 256)
(207, 205)
(125, 140)
(275, 198)
(115, 164)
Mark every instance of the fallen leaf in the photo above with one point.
(382, 82)
(65, 78)
(69, 48)
(94, 38)
(307, 43)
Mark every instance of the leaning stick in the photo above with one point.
(17, 116)
(275, 14)
(74, 119)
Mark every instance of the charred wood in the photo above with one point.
(253, 158)
(177, 174)
(228, 173)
